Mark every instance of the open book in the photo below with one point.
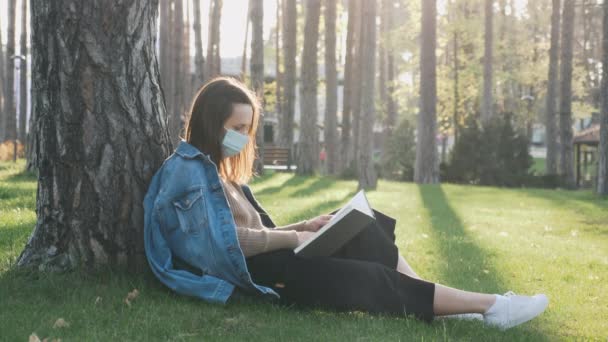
(344, 225)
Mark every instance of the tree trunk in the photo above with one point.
(278, 72)
(244, 55)
(602, 174)
(256, 10)
(309, 136)
(213, 47)
(102, 132)
(289, 62)
(456, 117)
(550, 115)
(331, 89)
(391, 103)
(356, 90)
(368, 178)
(10, 108)
(199, 59)
(346, 147)
(487, 102)
(166, 52)
(2, 89)
(23, 74)
(177, 80)
(426, 167)
(565, 110)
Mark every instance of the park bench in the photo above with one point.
(276, 157)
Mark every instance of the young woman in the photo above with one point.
(201, 214)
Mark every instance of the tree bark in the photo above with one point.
(426, 168)
(214, 67)
(602, 181)
(368, 178)
(102, 132)
(550, 115)
(307, 144)
(565, 110)
(256, 66)
(289, 62)
(331, 89)
(199, 59)
(487, 102)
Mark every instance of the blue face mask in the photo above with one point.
(233, 142)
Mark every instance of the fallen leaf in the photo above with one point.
(34, 338)
(61, 323)
(131, 296)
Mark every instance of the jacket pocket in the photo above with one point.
(191, 211)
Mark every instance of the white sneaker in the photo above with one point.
(465, 316)
(510, 309)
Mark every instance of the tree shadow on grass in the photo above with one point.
(319, 184)
(293, 181)
(23, 176)
(464, 264)
(322, 208)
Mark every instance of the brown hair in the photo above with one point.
(211, 108)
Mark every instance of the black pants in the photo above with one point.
(361, 276)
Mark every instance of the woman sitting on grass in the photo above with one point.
(205, 234)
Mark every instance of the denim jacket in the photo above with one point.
(187, 221)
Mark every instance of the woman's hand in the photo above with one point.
(303, 236)
(317, 223)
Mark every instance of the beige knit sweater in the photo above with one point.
(254, 237)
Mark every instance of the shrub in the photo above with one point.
(493, 155)
(397, 161)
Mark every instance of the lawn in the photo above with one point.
(477, 238)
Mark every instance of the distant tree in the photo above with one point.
(256, 11)
(331, 88)
(550, 114)
(213, 46)
(166, 51)
(602, 184)
(356, 80)
(487, 102)
(278, 69)
(11, 118)
(2, 89)
(349, 84)
(23, 74)
(565, 110)
(426, 167)
(368, 177)
(289, 76)
(177, 79)
(101, 132)
(199, 59)
(307, 144)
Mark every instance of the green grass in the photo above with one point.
(476, 238)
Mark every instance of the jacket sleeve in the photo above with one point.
(159, 256)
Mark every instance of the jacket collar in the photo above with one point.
(186, 150)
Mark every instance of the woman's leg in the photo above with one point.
(405, 268)
(449, 301)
